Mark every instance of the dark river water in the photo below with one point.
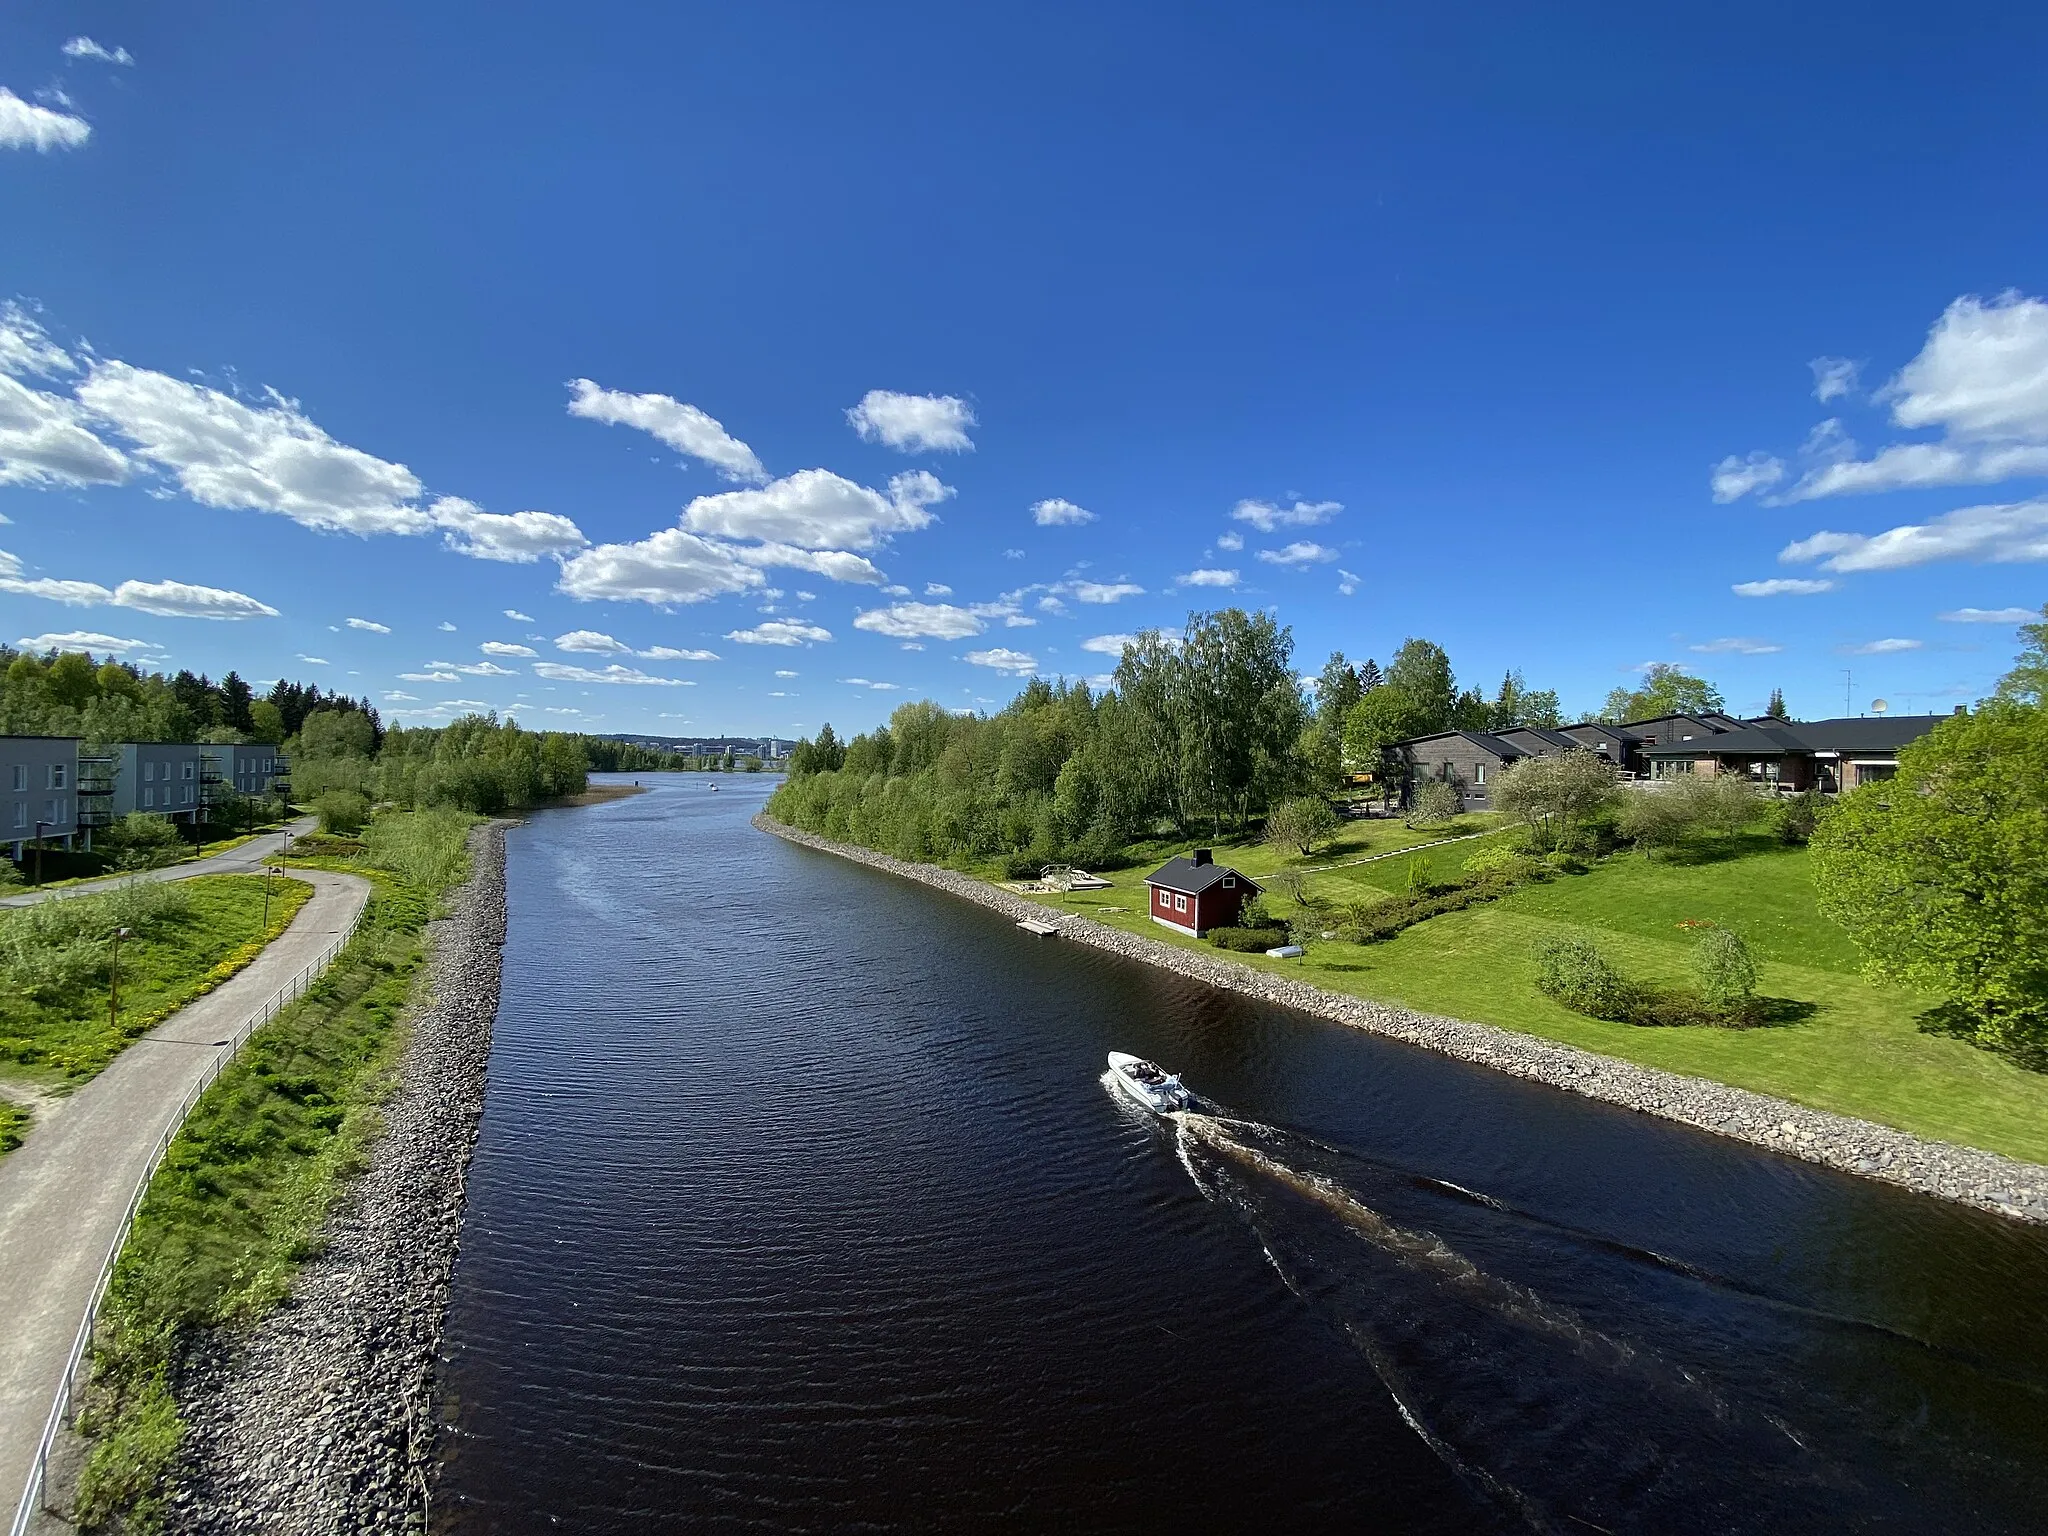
(800, 1205)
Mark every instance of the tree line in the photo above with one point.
(67, 693)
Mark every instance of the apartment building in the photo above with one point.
(38, 790)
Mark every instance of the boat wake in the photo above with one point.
(1561, 1423)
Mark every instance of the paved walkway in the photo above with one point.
(64, 1191)
(236, 861)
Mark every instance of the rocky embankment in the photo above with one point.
(1963, 1174)
(322, 1419)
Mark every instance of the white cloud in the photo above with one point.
(314, 661)
(782, 673)
(671, 653)
(1990, 616)
(1002, 659)
(1998, 534)
(1057, 511)
(561, 672)
(374, 627)
(517, 538)
(913, 423)
(591, 642)
(1347, 582)
(816, 509)
(437, 675)
(446, 627)
(1881, 648)
(834, 564)
(683, 427)
(25, 347)
(43, 439)
(1013, 554)
(1267, 516)
(1781, 586)
(23, 125)
(907, 621)
(1301, 552)
(1108, 645)
(269, 458)
(666, 567)
(510, 613)
(1737, 645)
(84, 640)
(1735, 478)
(86, 48)
(1208, 578)
(506, 648)
(474, 668)
(931, 589)
(1833, 377)
(1101, 591)
(182, 600)
(1918, 466)
(781, 632)
(1230, 539)
(400, 696)
(861, 682)
(79, 594)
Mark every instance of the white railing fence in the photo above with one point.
(81, 1347)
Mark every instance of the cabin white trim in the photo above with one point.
(1176, 927)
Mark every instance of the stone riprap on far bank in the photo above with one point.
(1963, 1174)
(322, 1419)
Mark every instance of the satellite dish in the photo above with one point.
(1878, 706)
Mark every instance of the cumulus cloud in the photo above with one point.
(1735, 478)
(1997, 534)
(446, 627)
(1737, 645)
(510, 613)
(314, 661)
(781, 632)
(45, 440)
(913, 423)
(1057, 512)
(1781, 586)
(1108, 645)
(1301, 552)
(1347, 582)
(25, 347)
(373, 626)
(1267, 517)
(1002, 659)
(910, 621)
(400, 696)
(1230, 539)
(86, 48)
(671, 653)
(816, 509)
(1833, 377)
(24, 125)
(683, 427)
(1101, 591)
(1207, 578)
(183, 600)
(592, 642)
(517, 538)
(833, 564)
(85, 640)
(862, 682)
(506, 648)
(437, 675)
(562, 672)
(931, 589)
(1989, 616)
(1881, 647)
(666, 567)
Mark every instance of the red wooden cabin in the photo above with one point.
(1195, 894)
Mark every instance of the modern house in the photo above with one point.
(158, 778)
(245, 768)
(1468, 761)
(1194, 894)
(38, 790)
(1827, 755)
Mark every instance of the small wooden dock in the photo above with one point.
(1038, 927)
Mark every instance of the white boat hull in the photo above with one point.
(1148, 1086)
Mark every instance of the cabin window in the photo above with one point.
(1180, 903)
(1230, 882)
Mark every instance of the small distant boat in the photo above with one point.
(1150, 1084)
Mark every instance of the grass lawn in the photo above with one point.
(69, 1038)
(1847, 1045)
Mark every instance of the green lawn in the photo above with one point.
(1856, 1050)
(70, 1037)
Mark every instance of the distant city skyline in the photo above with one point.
(744, 370)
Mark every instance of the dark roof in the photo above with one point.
(1485, 740)
(1548, 738)
(1181, 873)
(1604, 727)
(1878, 733)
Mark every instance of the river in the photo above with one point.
(799, 1205)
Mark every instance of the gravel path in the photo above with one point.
(321, 1419)
(1963, 1174)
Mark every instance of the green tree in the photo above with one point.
(1555, 797)
(1684, 810)
(139, 841)
(1301, 823)
(266, 721)
(1421, 671)
(2028, 679)
(336, 733)
(1776, 708)
(1725, 971)
(1434, 803)
(1665, 691)
(342, 812)
(1941, 874)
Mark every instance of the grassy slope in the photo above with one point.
(1858, 1052)
(160, 972)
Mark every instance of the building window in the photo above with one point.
(20, 777)
(1180, 903)
(188, 770)
(149, 773)
(21, 813)
(1479, 773)
(56, 775)
(1230, 882)
(149, 799)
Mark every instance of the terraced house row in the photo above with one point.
(55, 789)
(1779, 756)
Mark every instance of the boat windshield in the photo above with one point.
(1145, 1072)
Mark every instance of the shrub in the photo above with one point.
(1687, 808)
(1301, 823)
(1554, 797)
(1577, 975)
(1499, 862)
(1433, 804)
(1248, 940)
(1794, 819)
(342, 811)
(429, 849)
(1565, 863)
(140, 841)
(1726, 973)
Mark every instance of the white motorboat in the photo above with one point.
(1150, 1084)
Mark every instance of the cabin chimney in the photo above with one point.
(1202, 857)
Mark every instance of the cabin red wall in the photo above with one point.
(1213, 908)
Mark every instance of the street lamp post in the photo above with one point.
(39, 853)
(114, 984)
(268, 871)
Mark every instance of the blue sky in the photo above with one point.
(586, 353)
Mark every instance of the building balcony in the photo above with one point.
(95, 815)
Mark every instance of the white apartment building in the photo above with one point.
(38, 790)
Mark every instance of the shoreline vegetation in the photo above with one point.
(1969, 1175)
